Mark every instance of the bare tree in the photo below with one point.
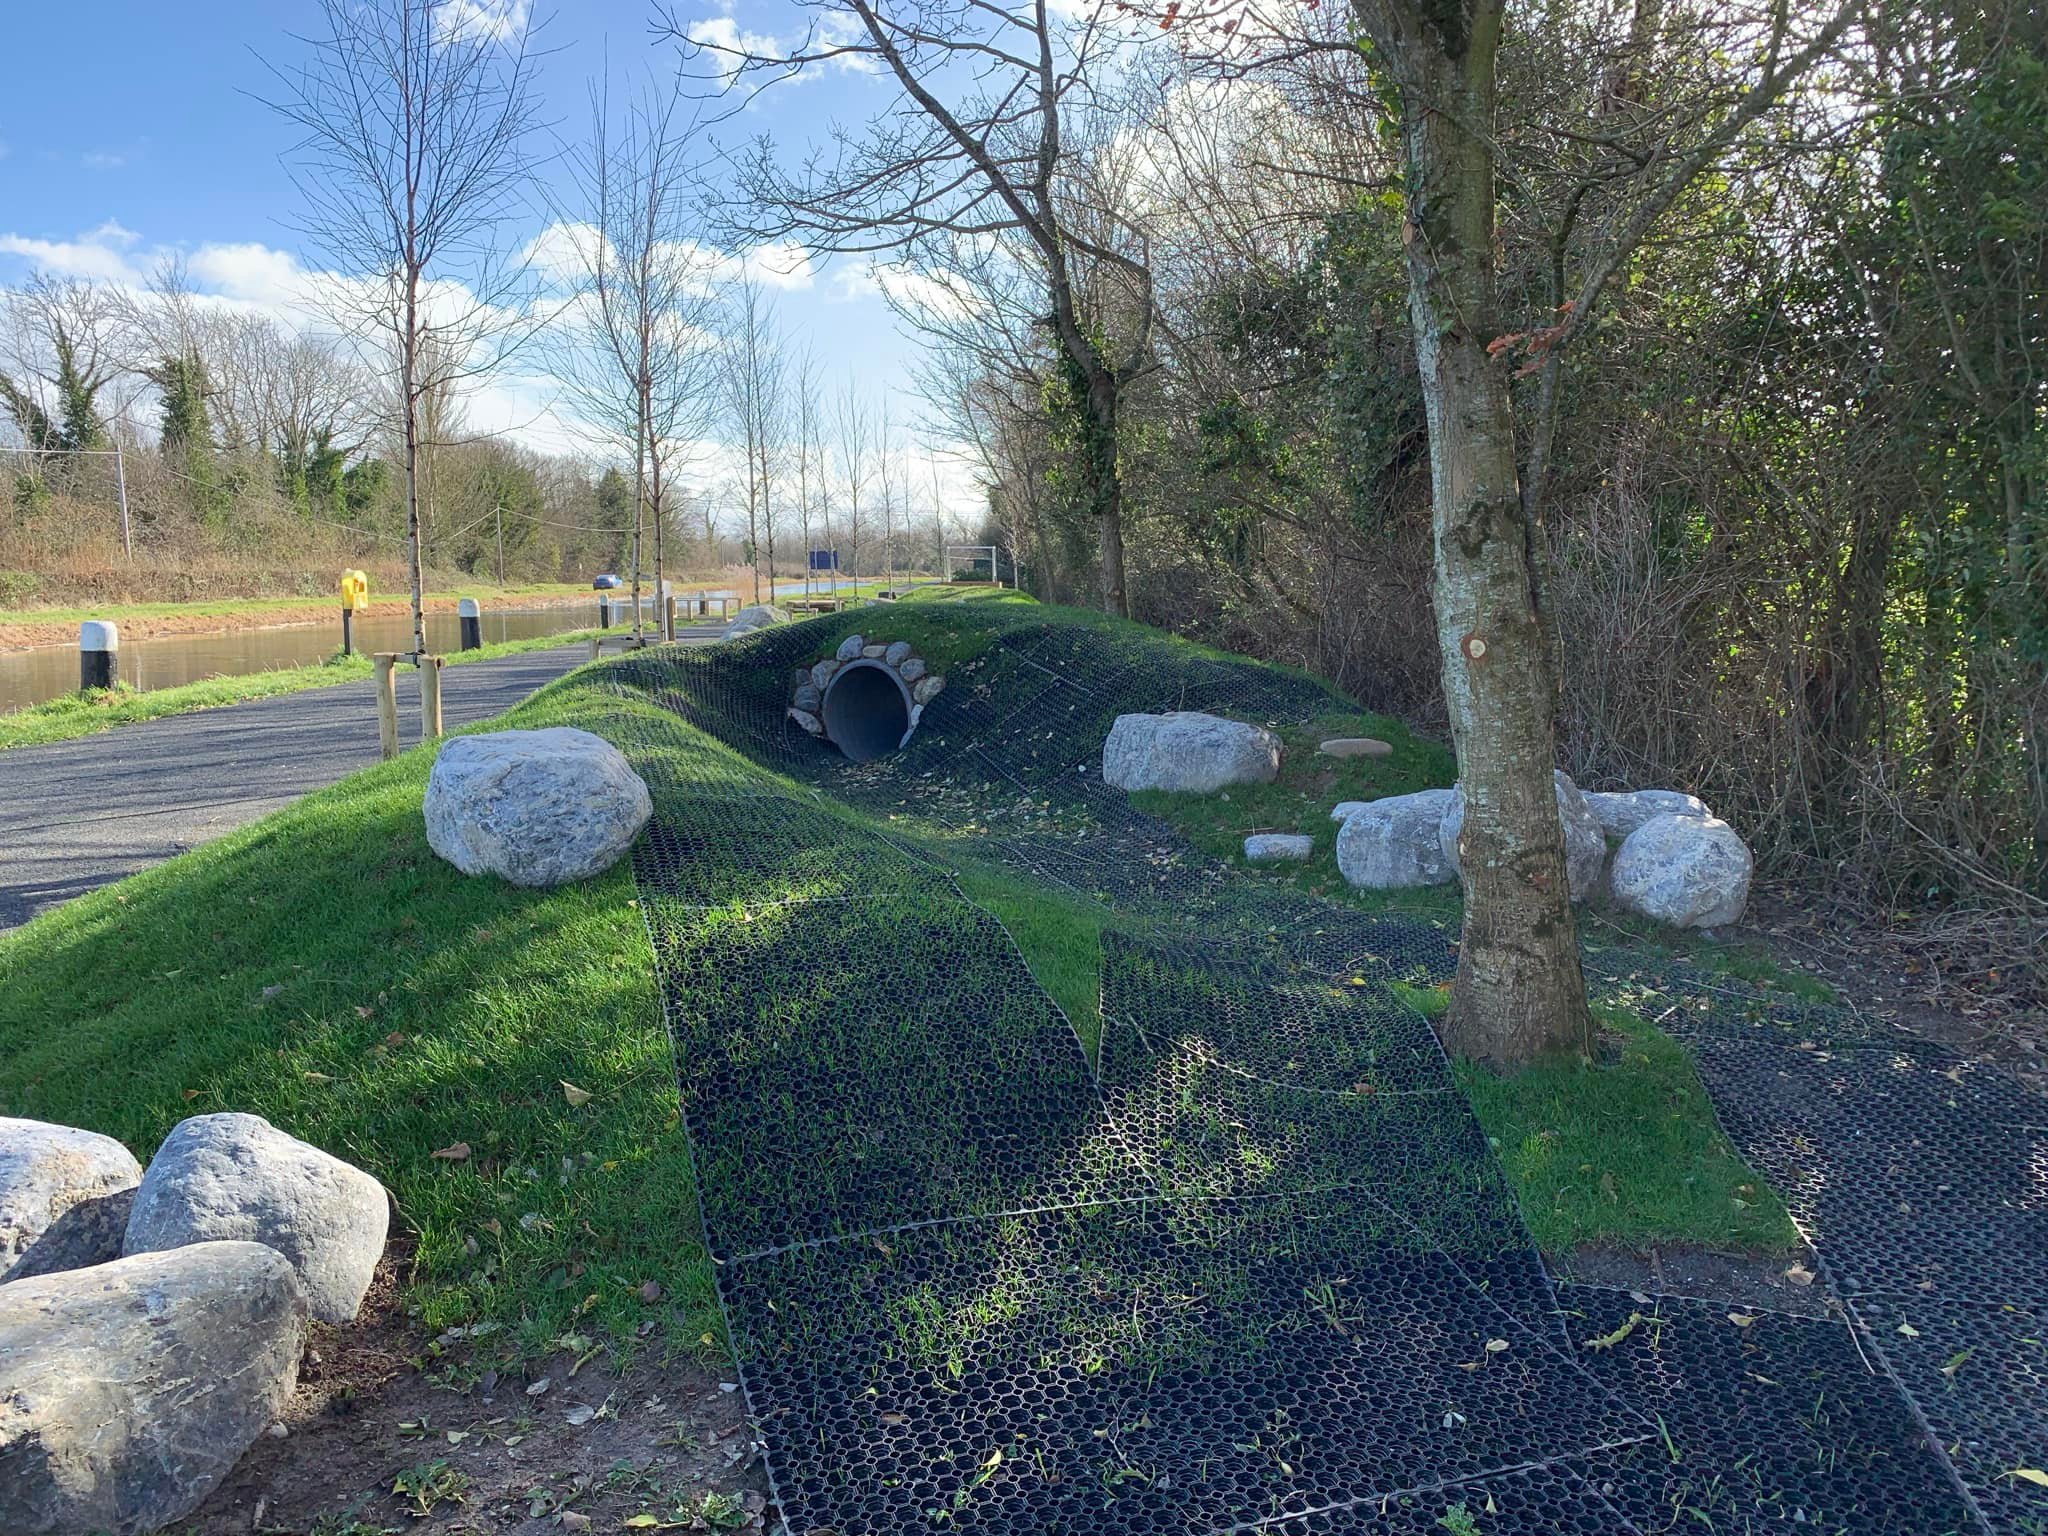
(885, 480)
(975, 149)
(757, 390)
(416, 116)
(854, 430)
(810, 456)
(637, 333)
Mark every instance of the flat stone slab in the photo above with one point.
(1278, 848)
(1356, 746)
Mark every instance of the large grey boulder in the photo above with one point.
(534, 807)
(46, 1170)
(90, 1233)
(1620, 814)
(239, 1178)
(1186, 750)
(1585, 846)
(1391, 844)
(1688, 871)
(757, 616)
(128, 1391)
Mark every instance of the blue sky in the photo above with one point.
(132, 127)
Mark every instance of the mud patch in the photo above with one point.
(374, 1445)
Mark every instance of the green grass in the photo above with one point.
(1059, 936)
(1300, 799)
(101, 710)
(325, 970)
(1622, 1152)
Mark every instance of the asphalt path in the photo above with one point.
(79, 814)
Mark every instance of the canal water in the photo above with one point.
(29, 677)
(48, 672)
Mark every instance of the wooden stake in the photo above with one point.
(387, 702)
(430, 696)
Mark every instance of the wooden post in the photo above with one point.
(430, 696)
(596, 647)
(668, 617)
(387, 702)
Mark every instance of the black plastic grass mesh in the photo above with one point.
(1252, 1265)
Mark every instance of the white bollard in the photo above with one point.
(99, 646)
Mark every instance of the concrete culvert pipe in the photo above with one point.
(866, 710)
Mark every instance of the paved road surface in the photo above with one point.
(78, 814)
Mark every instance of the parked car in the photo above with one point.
(605, 583)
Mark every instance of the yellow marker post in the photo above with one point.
(355, 599)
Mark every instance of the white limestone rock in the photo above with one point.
(1391, 844)
(237, 1178)
(1585, 846)
(537, 808)
(850, 648)
(1187, 751)
(1687, 871)
(757, 616)
(1620, 814)
(1278, 848)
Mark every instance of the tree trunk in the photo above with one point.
(409, 390)
(1106, 486)
(1519, 991)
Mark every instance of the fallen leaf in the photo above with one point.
(650, 1292)
(316, 1077)
(577, 1097)
(191, 1094)
(571, 1521)
(1799, 1274)
(1608, 1341)
(2032, 1475)
(1496, 1346)
(580, 1413)
(1742, 1319)
(457, 1152)
(538, 1387)
(1909, 1330)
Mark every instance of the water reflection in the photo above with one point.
(29, 677)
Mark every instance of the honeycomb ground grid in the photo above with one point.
(1233, 1008)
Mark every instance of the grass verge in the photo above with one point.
(240, 607)
(85, 714)
(1623, 1152)
(324, 969)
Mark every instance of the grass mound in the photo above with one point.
(498, 1056)
(495, 1056)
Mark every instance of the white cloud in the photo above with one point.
(102, 160)
(482, 21)
(908, 289)
(87, 257)
(782, 265)
(251, 273)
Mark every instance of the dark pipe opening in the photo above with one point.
(866, 710)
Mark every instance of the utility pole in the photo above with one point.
(121, 489)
